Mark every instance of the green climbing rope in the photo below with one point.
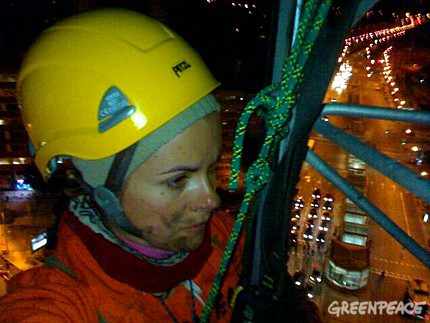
(274, 104)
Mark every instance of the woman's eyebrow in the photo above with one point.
(180, 169)
(187, 168)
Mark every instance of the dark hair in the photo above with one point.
(66, 182)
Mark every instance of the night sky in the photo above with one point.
(209, 28)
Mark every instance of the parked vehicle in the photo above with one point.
(313, 214)
(299, 279)
(326, 216)
(315, 203)
(418, 292)
(324, 225)
(316, 194)
(321, 238)
(296, 215)
(327, 206)
(308, 234)
(299, 203)
(310, 223)
(293, 239)
(315, 277)
(328, 198)
(309, 291)
(295, 227)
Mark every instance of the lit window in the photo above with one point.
(354, 239)
(355, 218)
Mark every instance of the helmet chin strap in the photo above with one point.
(107, 196)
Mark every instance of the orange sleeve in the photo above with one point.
(54, 299)
(223, 226)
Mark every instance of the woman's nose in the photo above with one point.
(213, 200)
(208, 198)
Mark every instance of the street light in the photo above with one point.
(415, 148)
(408, 131)
(426, 217)
(424, 173)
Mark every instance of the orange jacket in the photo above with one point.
(82, 292)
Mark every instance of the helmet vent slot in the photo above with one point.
(113, 109)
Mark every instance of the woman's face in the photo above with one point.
(171, 196)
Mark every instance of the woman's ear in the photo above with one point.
(68, 180)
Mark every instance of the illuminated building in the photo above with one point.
(14, 155)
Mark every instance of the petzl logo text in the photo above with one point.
(180, 68)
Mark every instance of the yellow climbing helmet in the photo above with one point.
(94, 84)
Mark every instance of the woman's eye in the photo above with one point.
(213, 168)
(177, 182)
(212, 174)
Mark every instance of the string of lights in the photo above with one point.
(380, 36)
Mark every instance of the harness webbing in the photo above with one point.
(119, 168)
(107, 197)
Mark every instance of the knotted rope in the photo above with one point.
(274, 104)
